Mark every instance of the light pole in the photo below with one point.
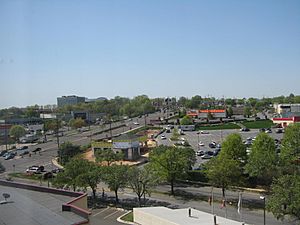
(198, 133)
(264, 198)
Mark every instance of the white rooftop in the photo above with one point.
(178, 217)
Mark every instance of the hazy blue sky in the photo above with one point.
(231, 48)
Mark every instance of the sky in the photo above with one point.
(160, 48)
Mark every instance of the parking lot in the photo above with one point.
(218, 136)
(105, 216)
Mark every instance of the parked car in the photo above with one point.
(279, 131)
(206, 156)
(57, 170)
(22, 147)
(212, 145)
(163, 137)
(25, 152)
(200, 153)
(3, 152)
(245, 129)
(35, 169)
(268, 130)
(136, 123)
(204, 132)
(201, 143)
(10, 155)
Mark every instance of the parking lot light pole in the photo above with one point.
(264, 198)
(198, 133)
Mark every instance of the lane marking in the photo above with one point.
(101, 211)
(111, 214)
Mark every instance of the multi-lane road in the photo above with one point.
(49, 149)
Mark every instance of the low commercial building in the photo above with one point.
(166, 216)
(203, 114)
(69, 100)
(130, 147)
(285, 121)
(287, 110)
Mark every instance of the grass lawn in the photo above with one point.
(219, 126)
(258, 124)
(128, 217)
(26, 176)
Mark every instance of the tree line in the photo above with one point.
(278, 170)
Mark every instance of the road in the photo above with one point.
(49, 149)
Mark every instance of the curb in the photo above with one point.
(126, 222)
(54, 162)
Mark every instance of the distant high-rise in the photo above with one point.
(69, 100)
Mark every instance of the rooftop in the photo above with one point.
(34, 208)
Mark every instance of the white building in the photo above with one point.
(166, 216)
(287, 109)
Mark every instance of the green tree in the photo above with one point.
(223, 171)
(290, 150)
(210, 116)
(91, 177)
(116, 177)
(175, 135)
(285, 197)
(77, 123)
(108, 155)
(73, 171)
(17, 131)
(233, 148)
(171, 163)
(186, 120)
(247, 111)
(66, 151)
(263, 160)
(229, 112)
(53, 124)
(141, 180)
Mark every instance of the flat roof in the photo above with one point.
(28, 207)
(181, 217)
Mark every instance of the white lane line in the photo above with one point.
(111, 214)
(101, 211)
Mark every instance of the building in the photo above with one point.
(69, 100)
(203, 114)
(166, 216)
(287, 110)
(88, 100)
(129, 146)
(285, 121)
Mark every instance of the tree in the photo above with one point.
(66, 151)
(285, 197)
(229, 112)
(175, 135)
(73, 170)
(116, 177)
(290, 150)
(233, 148)
(91, 177)
(141, 180)
(210, 116)
(223, 171)
(53, 124)
(263, 160)
(171, 163)
(77, 123)
(247, 111)
(108, 155)
(17, 131)
(186, 120)
(2, 168)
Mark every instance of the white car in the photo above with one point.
(204, 132)
(201, 143)
(163, 137)
(136, 123)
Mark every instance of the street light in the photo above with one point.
(264, 198)
(198, 133)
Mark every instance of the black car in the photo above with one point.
(245, 129)
(3, 152)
